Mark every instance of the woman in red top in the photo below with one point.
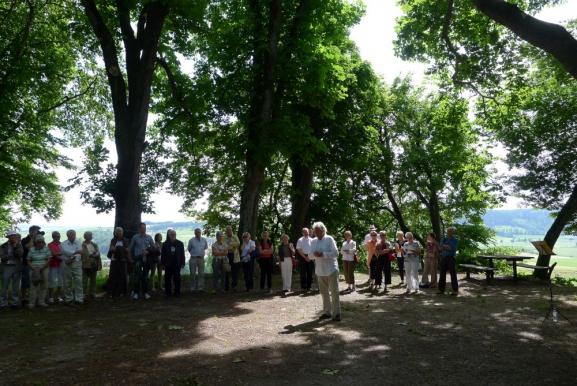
(265, 261)
(55, 279)
(383, 252)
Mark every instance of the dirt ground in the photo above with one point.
(486, 336)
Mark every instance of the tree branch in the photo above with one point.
(552, 38)
(110, 56)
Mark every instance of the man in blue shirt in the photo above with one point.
(448, 262)
(140, 247)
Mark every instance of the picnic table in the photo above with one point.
(512, 259)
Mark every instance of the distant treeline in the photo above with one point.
(508, 223)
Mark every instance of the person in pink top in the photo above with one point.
(55, 279)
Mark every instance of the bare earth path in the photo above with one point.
(486, 336)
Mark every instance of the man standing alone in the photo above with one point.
(325, 252)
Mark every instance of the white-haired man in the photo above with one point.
(72, 257)
(325, 252)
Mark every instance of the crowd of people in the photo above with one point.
(35, 273)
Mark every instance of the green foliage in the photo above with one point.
(535, 117)
(41, 87)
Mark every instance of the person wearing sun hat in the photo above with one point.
(11, 265)
(38, 257)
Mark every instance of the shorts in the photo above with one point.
(55, 278)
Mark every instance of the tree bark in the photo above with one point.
(301, 191)
(260, 116)
(130, 100)
(565, 215)
(552, 38)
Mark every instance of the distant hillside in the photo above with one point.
(518, 221)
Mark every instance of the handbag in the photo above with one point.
(356, 257)
(226, 265)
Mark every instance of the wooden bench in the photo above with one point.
(478, 268)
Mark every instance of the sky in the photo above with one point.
(374, 36)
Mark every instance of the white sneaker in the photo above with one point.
(146, 296)
(135, 296)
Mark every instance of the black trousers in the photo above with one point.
(448, 264)
(306, 270)
(401, 264)
(172, 275)
(385, 269)
(375, 272)
(248, 273)
(266, 266)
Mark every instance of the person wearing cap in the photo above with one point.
(197, 247)
(27, 244)
(91, 264)
(38, 257)
(11, 253)
(72, 257)
(55, 277)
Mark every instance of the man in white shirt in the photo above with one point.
(197, 247)
(306, 263)
(324, 251)
(71, 250)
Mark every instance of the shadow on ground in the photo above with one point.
(488, 335)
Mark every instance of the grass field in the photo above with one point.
(565, 249)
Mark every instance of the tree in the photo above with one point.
(440, 158)
(483, 55)
(250, 130)
(41, 86)
(535, 117)
(139, 27)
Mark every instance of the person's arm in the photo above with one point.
(234, 242)
(252, 246)
(182, 257)
(131, 245)
(189, 247)
(332, 252)
(163, 255)
(111, 250)
(48, 254)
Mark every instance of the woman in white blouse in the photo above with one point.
(348, 250)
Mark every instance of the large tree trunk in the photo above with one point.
(301, 190)
(552, 38)
(260, 120)
(435, 215)
(250, 196)
(565, 215)
(131, 99)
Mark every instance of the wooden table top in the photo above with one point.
(501, 257)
